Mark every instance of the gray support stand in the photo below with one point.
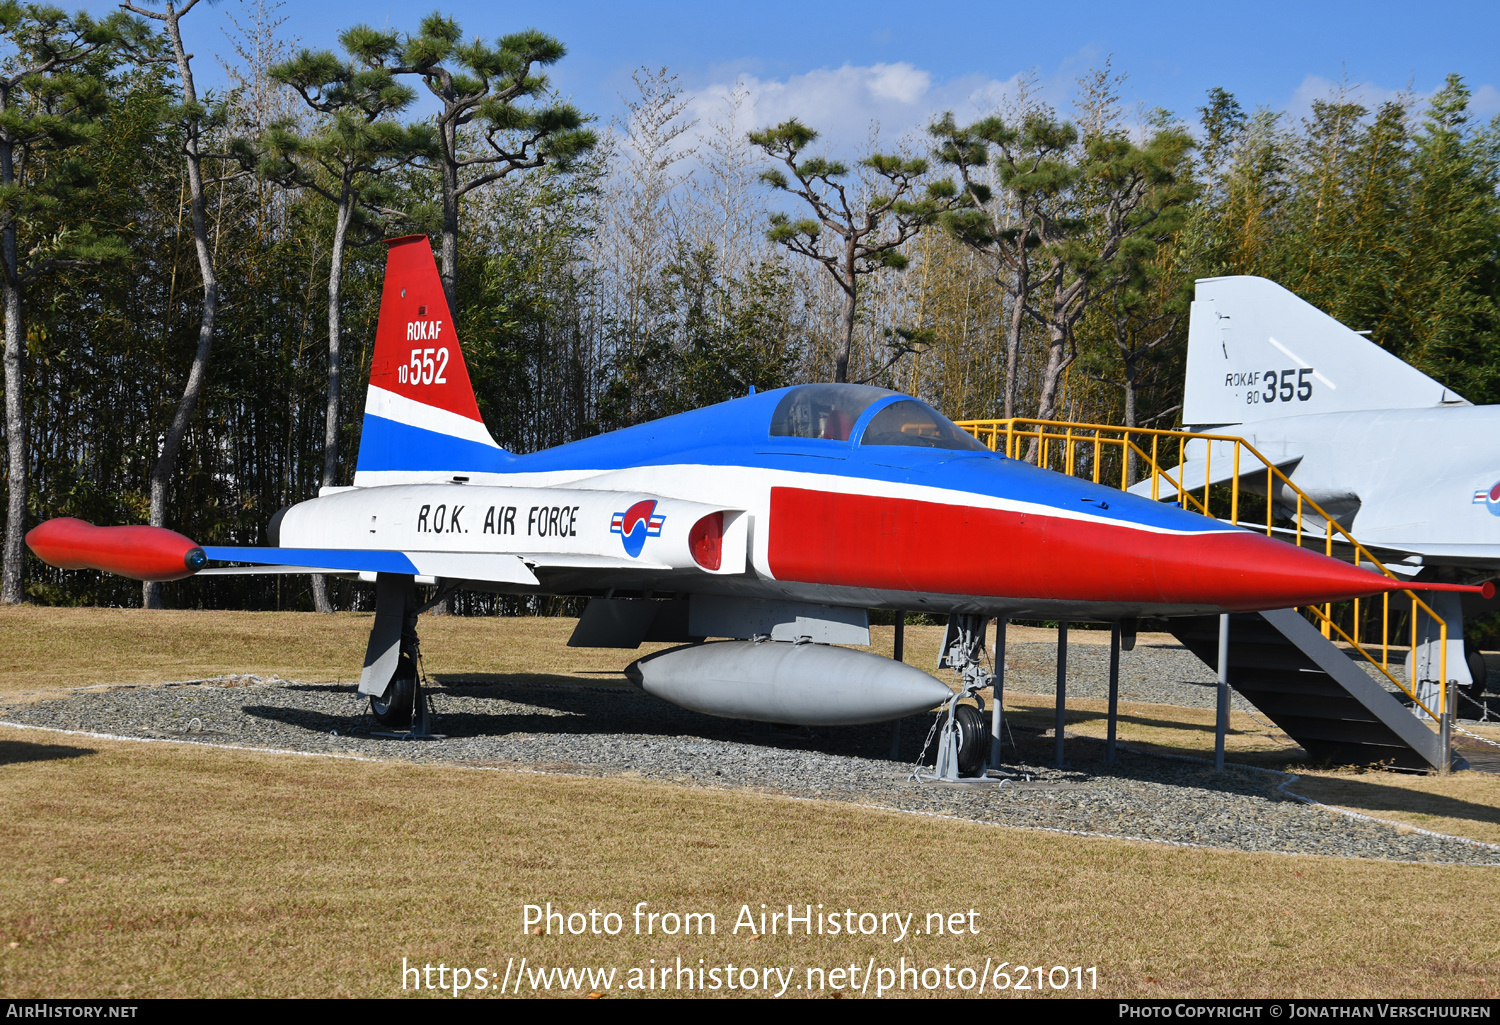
(1445, 739)
(997, 713)
(900, 657)
(1062, 687)
(1114, 691)
(1221, 729)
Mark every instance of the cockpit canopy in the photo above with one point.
(831, 411)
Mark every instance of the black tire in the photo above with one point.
(1475, 659)
(973, 739)
(393, 709)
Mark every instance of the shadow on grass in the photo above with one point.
(1194, 740)
(15, 752)
(469, 683)
(1377, 797)
(1073, 716)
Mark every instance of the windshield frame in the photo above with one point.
(856, 426)
(876, 409)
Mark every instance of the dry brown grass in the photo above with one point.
(1461, 803)
(192, 871)
(1169, 729)
(169, 870)
(52, 649)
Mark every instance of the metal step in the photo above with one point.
(1305, 683)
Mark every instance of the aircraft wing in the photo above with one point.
(497, 567)
(1211, 462)
(500, 568)
(1472, 556)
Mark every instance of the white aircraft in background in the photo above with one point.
(1408, 466)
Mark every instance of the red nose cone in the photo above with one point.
(1248, 572)
(141, 553)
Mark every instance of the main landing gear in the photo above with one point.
(392, 677)
(393, 709)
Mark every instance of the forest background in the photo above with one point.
(1037, 262)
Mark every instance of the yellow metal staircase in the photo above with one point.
(1288, 665)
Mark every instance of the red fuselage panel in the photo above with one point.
(935, 548)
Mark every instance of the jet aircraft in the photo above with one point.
(775, 521)
(1408, 466)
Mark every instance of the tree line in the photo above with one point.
(191, 281)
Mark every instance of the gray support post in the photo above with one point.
(1114, 690)
(900, 657)
(1062, 686)
(1222, 728)
(997, 712)
(1445, 742)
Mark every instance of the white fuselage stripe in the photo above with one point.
(748, 487)
(403, 410)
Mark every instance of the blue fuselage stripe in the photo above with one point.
(388, 445)
(736, 433)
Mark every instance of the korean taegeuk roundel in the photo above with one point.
(636, 524)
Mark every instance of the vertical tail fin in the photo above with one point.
(421, 421)
(1257, 352)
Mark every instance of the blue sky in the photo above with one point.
(840, 64)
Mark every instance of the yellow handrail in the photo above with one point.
(1107, 438)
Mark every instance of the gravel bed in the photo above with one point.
(1167, 674)
(604, 731)
(1161, 674)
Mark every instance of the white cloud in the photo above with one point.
(842, 103)
(1484, 102)
(1366, 94)
(899, 83)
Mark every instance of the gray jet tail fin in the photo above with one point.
(1257, 352)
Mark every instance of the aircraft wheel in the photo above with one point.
(1477, 669)
(973, 739)
(393, 709)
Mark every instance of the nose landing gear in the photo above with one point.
(963, 733)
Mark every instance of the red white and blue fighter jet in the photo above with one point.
(775, 520)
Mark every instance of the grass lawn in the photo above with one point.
(176, 870)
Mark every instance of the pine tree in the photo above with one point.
(345, 159)
(869, 227)
(194, 120)
(51, 92)
(482, 86)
